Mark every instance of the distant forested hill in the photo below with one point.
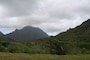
(3, 37)
(27, 33)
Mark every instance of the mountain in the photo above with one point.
(80, 33)
(72, 41)
(3, 37)
(27, 33)
(77, 40)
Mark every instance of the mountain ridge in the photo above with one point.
(4, 37)
(27, 33)
(77, 33)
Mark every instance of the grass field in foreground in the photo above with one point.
(22, 56)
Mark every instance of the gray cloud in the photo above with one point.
(19, 7)
(53, 16)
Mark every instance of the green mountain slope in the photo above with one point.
(78, 38)
(81, 33)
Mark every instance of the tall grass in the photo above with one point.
(22, 56)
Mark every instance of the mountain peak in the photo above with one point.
(28, 33)
(29, 27)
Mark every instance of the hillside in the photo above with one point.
(80, 33)
(78, 38)
(27, 33)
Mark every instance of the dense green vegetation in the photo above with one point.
(79, 37)
(47, 46)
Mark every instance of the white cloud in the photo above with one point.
(53, 16)
(2, 11)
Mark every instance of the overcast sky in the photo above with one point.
(52, 16)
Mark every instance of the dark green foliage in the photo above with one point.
(3, 45)
(56, 47)
(47, 46)
(17, 48)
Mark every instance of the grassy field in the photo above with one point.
(21, 56)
